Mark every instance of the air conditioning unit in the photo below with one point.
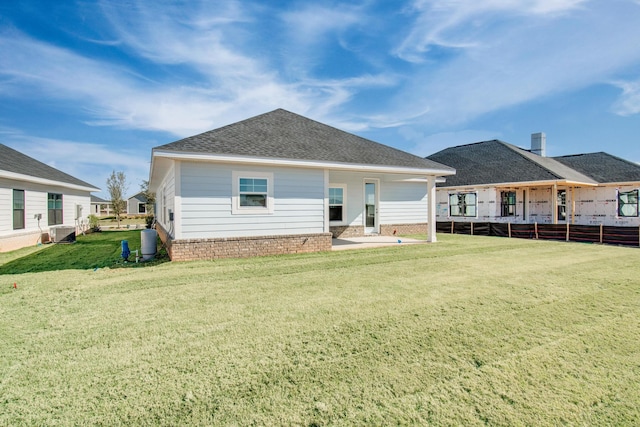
(62, 234)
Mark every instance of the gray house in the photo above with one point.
(137, 204)
(499, 182)
(35, 197)
(282, 183)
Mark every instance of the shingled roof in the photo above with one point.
(15, 162)
(496, 162)
(284, 135)
(139, 196)
(603, 167)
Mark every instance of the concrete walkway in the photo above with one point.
(372, 242)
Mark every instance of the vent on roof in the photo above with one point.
(539, 144)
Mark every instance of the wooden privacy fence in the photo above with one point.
(612, 235)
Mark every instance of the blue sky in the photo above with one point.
(91, 86)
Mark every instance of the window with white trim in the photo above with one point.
(628, 203)
(463, 204)
(337, 204)
(252, 193)
(54, 208)
(18, 209)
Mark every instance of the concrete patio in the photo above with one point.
(372, 242)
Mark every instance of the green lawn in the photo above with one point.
(469, 331)
(94, 250)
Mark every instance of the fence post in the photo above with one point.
(601, 233)
(509, 227)
(567, 232)
(452, 227)
(472, 228)
(535, 226)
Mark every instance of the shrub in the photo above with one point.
(150, 219)
(94, 223)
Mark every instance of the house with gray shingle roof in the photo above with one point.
(283, 183)
(35, 197)
(499, 182)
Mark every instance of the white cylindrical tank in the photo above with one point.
(149, 243)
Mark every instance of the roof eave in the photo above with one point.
(621, 183)
(525, 184)
(44, 181)
(218, 158)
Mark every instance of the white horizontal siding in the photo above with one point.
(354, 202)
(403, 203)
(36, 196)
(6, 209)
(165, 201)
(399, 202)
(206, 191)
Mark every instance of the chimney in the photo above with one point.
(539, 144)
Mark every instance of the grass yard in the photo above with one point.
(94, 250)
(469, 331)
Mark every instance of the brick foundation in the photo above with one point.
(11, 243)
(244, 247)
(345, 231)
(403, 229)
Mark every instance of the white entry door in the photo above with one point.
(371, 223)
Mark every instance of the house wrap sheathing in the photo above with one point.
(499, 182)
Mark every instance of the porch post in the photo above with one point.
(431, 209)
(573, 205)
(326, 201)
(554, 203)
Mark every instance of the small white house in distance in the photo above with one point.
(282, 183)
(100, 207)
(35, 197)
(499, 182)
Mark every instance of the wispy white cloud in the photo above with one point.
(87, 161)
(205, 41)
(530, 59)
(202, 35)
(629, 102)
(312, 23)
(50, 150)
(189, 66)
(462, 23)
